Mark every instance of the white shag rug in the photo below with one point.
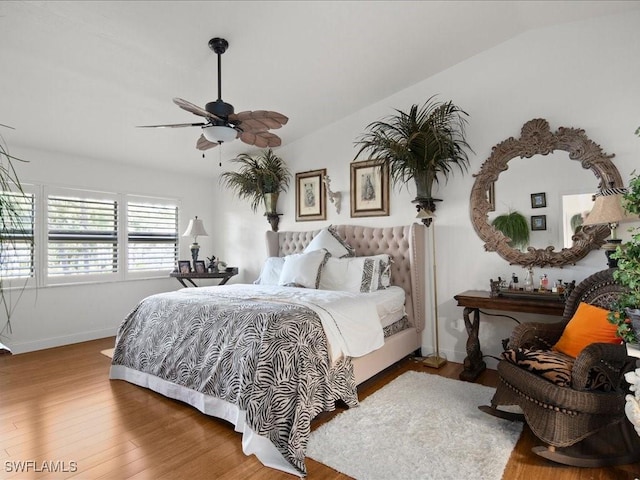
(419, 426)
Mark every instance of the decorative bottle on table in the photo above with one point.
(528, 280)
(515, 285)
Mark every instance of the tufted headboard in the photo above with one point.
(405, 244)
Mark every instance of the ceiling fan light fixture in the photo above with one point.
(219, 133)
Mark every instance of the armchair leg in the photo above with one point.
(512, 416)
(617, 444)
(589, 461)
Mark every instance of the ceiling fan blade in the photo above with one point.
(190, 107)
(173, 125)
(204, 144)
(255, 119)
(261, 139)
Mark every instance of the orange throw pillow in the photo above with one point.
(588, 325)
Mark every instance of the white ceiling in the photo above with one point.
(77, 77)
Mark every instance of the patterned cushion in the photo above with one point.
(357, 274)
(303, 268)
(554, 366)
(328, 239)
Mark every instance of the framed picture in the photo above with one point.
(184, 266)
(199, 266)
(369, 189)
(491, 197)
(538, 222)
(538, 200)
(310, 196)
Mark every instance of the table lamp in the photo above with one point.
(195, 229)
(608, 210)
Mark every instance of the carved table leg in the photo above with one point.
(473, 364)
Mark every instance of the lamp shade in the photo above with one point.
(608, 209)
(424, 213)
(195, 229)
(219, 134)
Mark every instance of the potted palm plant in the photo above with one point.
(260, 179)
(10, 225)
(427, 143)
(626, 311)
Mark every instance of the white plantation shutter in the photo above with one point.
(17, 249)
(82, 234)
(152, 236)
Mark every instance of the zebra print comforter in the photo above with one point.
(268, 358)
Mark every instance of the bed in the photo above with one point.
(268, 358)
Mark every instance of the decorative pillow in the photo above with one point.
(588, 325)
(270, 273)
(303, 269)
(356, 274)
(328, 239)
(554, 366)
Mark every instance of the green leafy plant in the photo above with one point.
(257, 176)
(628, 270)
(514, 226)
(11, 225)
(425, 144)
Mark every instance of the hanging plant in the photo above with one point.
(514, 226)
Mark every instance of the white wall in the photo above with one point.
(582, 75)
(62, 314)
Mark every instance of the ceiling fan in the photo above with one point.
(223, 124)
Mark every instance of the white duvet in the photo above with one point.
(350, 320)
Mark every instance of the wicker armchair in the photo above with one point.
(583, 424)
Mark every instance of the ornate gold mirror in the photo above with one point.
(537, 139)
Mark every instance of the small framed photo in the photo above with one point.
(538, 200)
(538, 222)
(199, 267)
(184, 266)
(310, 196)
(369, 189)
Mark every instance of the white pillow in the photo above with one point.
(328, 239)
(270, 273)
(356, 274)
(303, 269)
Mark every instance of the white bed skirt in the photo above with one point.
(252, 443)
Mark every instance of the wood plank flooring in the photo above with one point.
(59, 409)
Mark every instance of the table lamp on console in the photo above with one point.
(608, 210)
(195, 229)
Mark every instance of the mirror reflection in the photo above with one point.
(535, 173)
(575, 209)
(564, 187)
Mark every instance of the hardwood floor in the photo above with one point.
(58, 406)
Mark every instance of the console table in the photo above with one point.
(474, 300)
(191, 276)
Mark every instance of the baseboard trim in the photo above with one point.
(25, 347)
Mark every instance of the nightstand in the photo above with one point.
(224, 276)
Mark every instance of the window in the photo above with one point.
(59, 235)
(82, 234)
(16, 229)
(152, 236)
